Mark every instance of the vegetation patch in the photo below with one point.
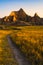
(30, 42)
(6, 55)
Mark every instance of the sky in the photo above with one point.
(30, 7)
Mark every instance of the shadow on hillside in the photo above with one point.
(15, 28)
(10, 29)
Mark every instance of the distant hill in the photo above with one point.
(21, 18)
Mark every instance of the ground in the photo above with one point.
(29, 39)
(6, 55)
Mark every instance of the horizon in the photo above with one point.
(29, 6)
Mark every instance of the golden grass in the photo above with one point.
(6, 56)
(30, 43)
(29, 40)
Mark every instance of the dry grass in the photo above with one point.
(6, 55)
(28, 39)
(30, 43)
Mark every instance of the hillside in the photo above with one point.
(21, 18)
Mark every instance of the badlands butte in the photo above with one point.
(21, 18)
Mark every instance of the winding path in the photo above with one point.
(18, 55)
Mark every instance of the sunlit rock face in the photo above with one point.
(20, 17)
(6, 18)
(15, 16)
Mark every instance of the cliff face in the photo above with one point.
(20, 17)
(16, 15)
(36, 19)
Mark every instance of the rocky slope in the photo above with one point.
(21, 18)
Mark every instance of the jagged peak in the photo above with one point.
(36, 15)
(20, 12)
(17, 11)
(20, 9)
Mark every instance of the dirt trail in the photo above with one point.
(19, 57)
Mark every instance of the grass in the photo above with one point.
(30, 42)
(6, 55)
(29, 39)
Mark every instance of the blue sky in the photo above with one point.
(29, 6)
